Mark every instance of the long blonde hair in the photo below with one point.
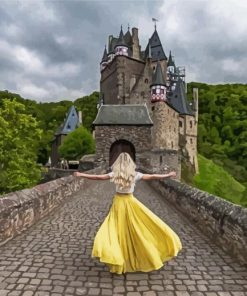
(124, 170)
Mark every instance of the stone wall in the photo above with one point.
(219, 219)
(105, 136)
(165, 126)
(21, 209)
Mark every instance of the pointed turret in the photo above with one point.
(156, 47)
(170, 62)
(121, 48)
(104, 60)
(158, 86)
(128, 38)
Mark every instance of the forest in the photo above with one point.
(222, 135)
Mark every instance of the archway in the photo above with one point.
(121, 146)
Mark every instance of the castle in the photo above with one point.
(143, 106)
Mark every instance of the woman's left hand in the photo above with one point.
(76, 174)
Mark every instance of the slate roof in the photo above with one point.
(123, 115)
(128, 38)
(71, 122)
(170, 61)
(158, 78)
(157, 50)
(178, 99)
(121, 41)
(104, 58)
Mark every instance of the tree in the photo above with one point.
(76, 144)
(19, 139)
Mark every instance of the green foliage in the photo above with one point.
(19, 138)
(222, 127)
(76, 144)
(214, 179)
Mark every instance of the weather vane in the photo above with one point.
(155, 21)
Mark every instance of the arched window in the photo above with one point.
(146, 80)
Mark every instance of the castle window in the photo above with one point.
(153, 108)
(146, 80)
(191, 124)
(191, 141)
(168, 111)
(161, 159)
(153, 91)
(154, 68)
(180, 123)
(172, 144)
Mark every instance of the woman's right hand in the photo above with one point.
(172, 174)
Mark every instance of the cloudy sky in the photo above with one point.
(51, 50)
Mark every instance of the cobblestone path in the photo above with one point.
(53, 257)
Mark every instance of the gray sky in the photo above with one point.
(51, 50)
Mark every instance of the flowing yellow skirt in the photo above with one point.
(132, 238)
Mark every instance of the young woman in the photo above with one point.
(132, 238)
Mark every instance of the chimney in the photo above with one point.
(136, 46)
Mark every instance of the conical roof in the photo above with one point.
(104, 58)
(170, 61)
(128, 38)
(156, 48)
(178, 99)
(158, 78)
(121, 41)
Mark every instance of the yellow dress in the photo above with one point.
(132, 238)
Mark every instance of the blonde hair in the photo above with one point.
(124, 170)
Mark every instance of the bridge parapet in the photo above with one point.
(223, 221)
(21, 209)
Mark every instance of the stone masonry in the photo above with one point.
(53, 258)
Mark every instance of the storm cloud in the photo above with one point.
(51, 50)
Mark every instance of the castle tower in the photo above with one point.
(164, 117)
(121, 48)
(136, 77)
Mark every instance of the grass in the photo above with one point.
(215, 180)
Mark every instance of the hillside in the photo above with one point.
(222, 131)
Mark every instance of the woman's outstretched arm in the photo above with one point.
(92, 177)
(158, 176)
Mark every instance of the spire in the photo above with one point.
(121, 41)
(170, 61)
(158, 78)
(156, 48)
(104, 58)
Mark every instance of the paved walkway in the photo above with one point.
(53, 257)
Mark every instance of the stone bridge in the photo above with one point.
(53, 256)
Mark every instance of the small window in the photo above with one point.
(153, 91)
(191, 141)
(161, 160)
(153, 108)
(146, 80)
(168, 111)
(172, 144)
(180, 123)
(162, 91)
(191, 124)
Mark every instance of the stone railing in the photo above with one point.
(21, 209)
(223, 221)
